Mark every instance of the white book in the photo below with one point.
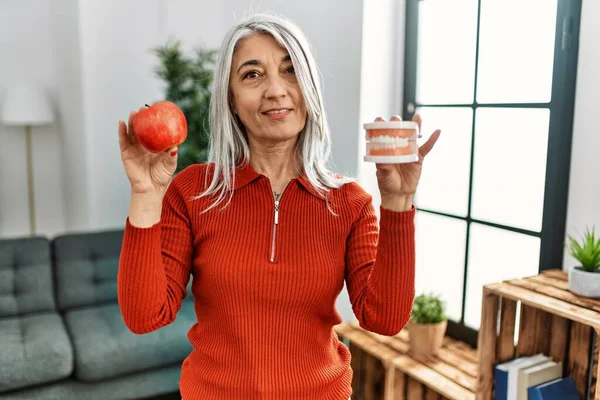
(513, 373)
(536, 375)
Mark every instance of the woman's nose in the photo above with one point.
(275, 88)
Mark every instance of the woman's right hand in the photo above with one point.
(149, 173)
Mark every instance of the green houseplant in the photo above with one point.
(188, 82)
(427, 325)
(584, 278)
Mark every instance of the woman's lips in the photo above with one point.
(280, 114)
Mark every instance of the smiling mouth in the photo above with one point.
(277, 114)
(279, 111)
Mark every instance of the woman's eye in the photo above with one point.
(251, 74)
(290, 70)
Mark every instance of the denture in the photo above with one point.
(392, 142)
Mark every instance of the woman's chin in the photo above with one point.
(279, 135)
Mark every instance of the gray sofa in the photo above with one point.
(61, 331)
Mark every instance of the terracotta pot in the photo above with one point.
(426, 339)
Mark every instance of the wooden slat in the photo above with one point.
(374, 382)
(396, 343)
(505, 348)
(579, 359)
(401, 342)
(403, 335)
(595, 365)
(455, 372)
(560, 294)
(451, 372)
(533, 331)
(461, 349)
(431, 394)
(559, 332)
(597, 371)
(369, 382)
(357, 365)
(458, 362)
(436, 381)
(395, 384)
(451, 353)
(549, 281)
(556, 273)
(486, 345)
(414, 389)
(546, 303)
(416, 370)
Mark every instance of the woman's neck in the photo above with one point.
(279, 163)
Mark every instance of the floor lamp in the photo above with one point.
(26, 105)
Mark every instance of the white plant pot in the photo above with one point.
(584, 283)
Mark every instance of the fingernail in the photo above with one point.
(173, 153)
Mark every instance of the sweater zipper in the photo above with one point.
(277, 197)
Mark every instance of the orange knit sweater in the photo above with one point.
(265, 292)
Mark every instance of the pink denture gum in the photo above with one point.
(392, 142)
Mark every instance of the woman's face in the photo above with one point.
(264, 90)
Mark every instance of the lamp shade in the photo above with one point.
(26, 104)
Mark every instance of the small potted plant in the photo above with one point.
(584, 278)
(427, 325)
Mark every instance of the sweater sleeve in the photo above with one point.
(380, 268)
(155, 267)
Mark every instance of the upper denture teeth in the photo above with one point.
(389, 141)
(277, 111)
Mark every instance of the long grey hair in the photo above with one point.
(228, 143)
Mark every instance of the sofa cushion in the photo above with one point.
(104, 347)
(153, 383)
(34, 349)
(25, 276)
(86, 268)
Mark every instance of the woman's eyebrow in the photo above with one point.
(256, 62)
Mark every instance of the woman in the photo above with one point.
(268, 232)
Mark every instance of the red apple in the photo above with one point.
(160, 126)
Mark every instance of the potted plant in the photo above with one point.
(427, 325)
(584, 278)
(188, 81)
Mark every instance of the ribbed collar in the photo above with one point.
(246, 174)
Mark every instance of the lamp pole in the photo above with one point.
(30, 179)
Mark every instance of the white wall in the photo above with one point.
(82, 52)
(118, 75)
(382, 75)
(73, 141)
(27, 51)
(584, 187)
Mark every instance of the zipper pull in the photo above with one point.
(276, 212)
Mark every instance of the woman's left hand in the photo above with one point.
(398, 182)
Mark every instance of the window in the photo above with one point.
(498, 78)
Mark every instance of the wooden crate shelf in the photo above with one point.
(384, 370)
(553, 321)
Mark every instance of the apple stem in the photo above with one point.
(146, 105)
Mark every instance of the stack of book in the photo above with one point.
(536, 377)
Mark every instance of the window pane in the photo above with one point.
(440, 246)
(510, 166)
(516, 51)
(446, 51)
(444, 184)
(496, 255)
